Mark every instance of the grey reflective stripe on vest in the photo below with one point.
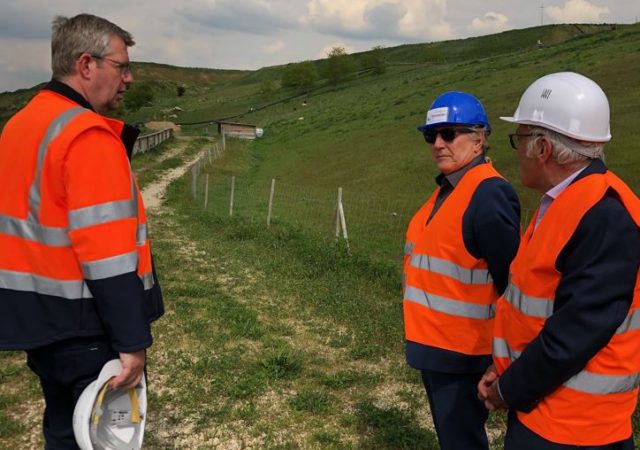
(500, 349)
(408, 248)
(103, 213)
(147, 280)
(110, 267)
(27, 282)
(54, 129)
(583, 381)
(593, 383)
(31, 231)
(527, 305)
(447, 305)
(451, 270)
(632, 322)
(142, 234)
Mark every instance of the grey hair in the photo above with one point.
(485, 139)
(567, 150)
(84, 33)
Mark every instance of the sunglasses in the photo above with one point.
(514, 139)
(447, 134)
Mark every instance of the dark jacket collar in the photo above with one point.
(455, 177)
(595, 166)
(67, 91)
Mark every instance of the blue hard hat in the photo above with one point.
(455, 108)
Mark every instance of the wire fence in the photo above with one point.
(363, 221)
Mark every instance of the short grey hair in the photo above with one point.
(485, 138)
(84, 33)
(567, 150)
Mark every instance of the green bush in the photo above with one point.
(138, 95)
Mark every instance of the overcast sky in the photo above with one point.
(249, 34)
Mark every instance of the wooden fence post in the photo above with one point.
(233, 190)
(341, 222)
(338, 202)
(273, 189)
(206, 191)
(194, 180)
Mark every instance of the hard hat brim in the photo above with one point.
(558, 130)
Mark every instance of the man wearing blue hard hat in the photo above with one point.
(459, 247)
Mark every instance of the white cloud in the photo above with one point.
(492, 22)
(249, 34)
(24, 62)
(249, 16)
(274, 47)
(579, 11)
(379, 19)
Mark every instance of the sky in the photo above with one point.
(250, 34)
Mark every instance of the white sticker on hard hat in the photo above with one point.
(437, 115)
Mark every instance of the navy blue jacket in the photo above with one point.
(490, 231)
(598, 267)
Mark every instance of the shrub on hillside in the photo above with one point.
(340, 65)
(139, 95)
(375, 60)
(301, 75)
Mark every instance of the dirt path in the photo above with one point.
(153, 194)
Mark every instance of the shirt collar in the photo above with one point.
(555, 191)
(454, 177)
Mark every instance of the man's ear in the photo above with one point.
(478, 146)
(83, 66)
(544, 150)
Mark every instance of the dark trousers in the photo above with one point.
(458, 415)
(520, 437)
(65, 368)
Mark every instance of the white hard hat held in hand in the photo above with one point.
(108, 419)
(568, 103)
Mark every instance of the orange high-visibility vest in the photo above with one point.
(55, 234)
(594, 407)
(449, 296)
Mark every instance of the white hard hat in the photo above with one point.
(108, 419)
(568, 103)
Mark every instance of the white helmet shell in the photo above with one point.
(568, 103)
(108, 419)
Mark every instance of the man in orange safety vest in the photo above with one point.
(77, 283)
(566, 344)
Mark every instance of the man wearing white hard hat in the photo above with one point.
(566, 345)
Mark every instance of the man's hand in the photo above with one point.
(132, 370)
(488, 390)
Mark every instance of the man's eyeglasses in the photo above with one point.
(447, 134)
(515, 138)
(123, 67)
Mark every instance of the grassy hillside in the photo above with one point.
(361, 134)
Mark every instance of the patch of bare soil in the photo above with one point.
(158, 125)
(153, 194)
